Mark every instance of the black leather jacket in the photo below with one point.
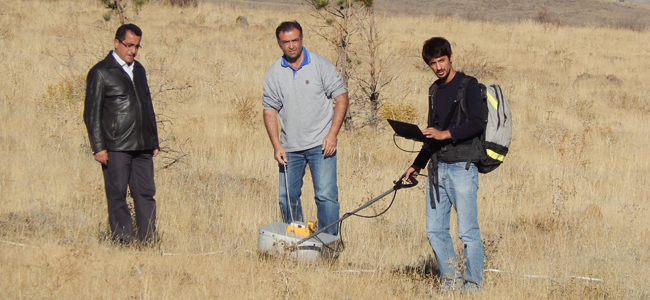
(118, 112)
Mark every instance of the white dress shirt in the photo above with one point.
(127, 68)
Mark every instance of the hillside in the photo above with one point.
(634, 14)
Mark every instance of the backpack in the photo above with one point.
(491, 147)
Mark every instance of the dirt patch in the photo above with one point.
(631, 14)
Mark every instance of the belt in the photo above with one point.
(452, 154)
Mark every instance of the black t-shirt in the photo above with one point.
(468, 127)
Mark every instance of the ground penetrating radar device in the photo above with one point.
(302, 242)
(281, 239)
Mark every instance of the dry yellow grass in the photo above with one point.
(571, 199)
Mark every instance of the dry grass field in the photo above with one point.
(569, 206)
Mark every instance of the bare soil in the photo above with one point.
(631, 14)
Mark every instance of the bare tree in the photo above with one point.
(373, 75)
(337, 30)
(349, 26)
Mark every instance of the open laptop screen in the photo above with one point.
(407, 130)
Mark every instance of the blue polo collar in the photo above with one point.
(305, 60)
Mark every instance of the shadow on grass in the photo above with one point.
(424, 269)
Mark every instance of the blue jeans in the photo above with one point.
(457, 188)
(323, 173)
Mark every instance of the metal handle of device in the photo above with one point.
(399, 184)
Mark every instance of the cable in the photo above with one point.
(369, 217)
(381, 213)
(341, 244)
(286, 184)
(398, 147)
(544, 277)
(399, 184)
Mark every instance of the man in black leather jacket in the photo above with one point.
(122, 132)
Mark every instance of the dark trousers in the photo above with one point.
(135, 169)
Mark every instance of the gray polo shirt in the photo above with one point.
(303, 99)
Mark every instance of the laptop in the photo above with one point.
(407, 130)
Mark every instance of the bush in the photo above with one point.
(66, 93)
(181, 3)
(245, 109)
(404, 112)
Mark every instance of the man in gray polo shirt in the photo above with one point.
(298, 90)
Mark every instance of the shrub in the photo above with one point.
(181, 3)
(244, 109)
(66, 93)
(404, 112)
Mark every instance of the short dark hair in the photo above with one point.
(120, 34)
(435, 47)
(287, 26)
